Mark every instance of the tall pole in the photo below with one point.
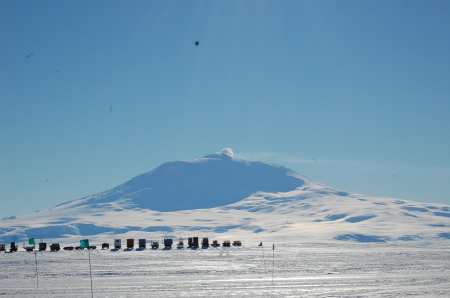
(264, 260)
(90, 271)
(273, 261)
(37, 274)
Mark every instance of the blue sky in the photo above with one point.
(353, 94)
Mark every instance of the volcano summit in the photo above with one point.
(219, 194)
(212, 181)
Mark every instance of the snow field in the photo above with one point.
(306, 270)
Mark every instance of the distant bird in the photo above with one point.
(29, 55)
(197, 43)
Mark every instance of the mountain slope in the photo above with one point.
(220, 196)
(212, 181)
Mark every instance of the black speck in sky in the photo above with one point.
(29, 55)
(197, 43)
(110, 109)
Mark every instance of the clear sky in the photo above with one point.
(353, 94)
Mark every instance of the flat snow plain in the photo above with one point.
(299, 270)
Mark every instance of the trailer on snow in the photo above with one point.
(180, 243)
(13, 247)
(168, 243)
(42, 246)
(55, 247)
(205, 242)
(130, 243)
(193, 242)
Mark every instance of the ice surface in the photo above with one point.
(298, 270)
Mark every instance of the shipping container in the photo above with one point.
(2, 247)
(55, 247)
(130, 243)
(117, 244)
(195, 241)
(142, 243)
(168, 243)
(13, 247)
(42, 246)
(105, 245)
(205, 242)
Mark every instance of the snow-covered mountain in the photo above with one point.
(224, 197)
(212, 181)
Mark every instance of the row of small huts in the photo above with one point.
(193, 242)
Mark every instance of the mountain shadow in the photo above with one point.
(213, 181)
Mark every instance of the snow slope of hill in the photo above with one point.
(212, 181)
(219, 196)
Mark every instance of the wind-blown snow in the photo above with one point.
(300, 270)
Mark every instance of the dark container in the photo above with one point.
(42, 246)
(105, 246)
(190, 242)
(2, 247)
(55, 247)
(205, 242)
(168, 242)
(13, 246)
(130, 243)
(142, 243)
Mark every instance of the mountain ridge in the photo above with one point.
(219, 195)
(212, 181)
